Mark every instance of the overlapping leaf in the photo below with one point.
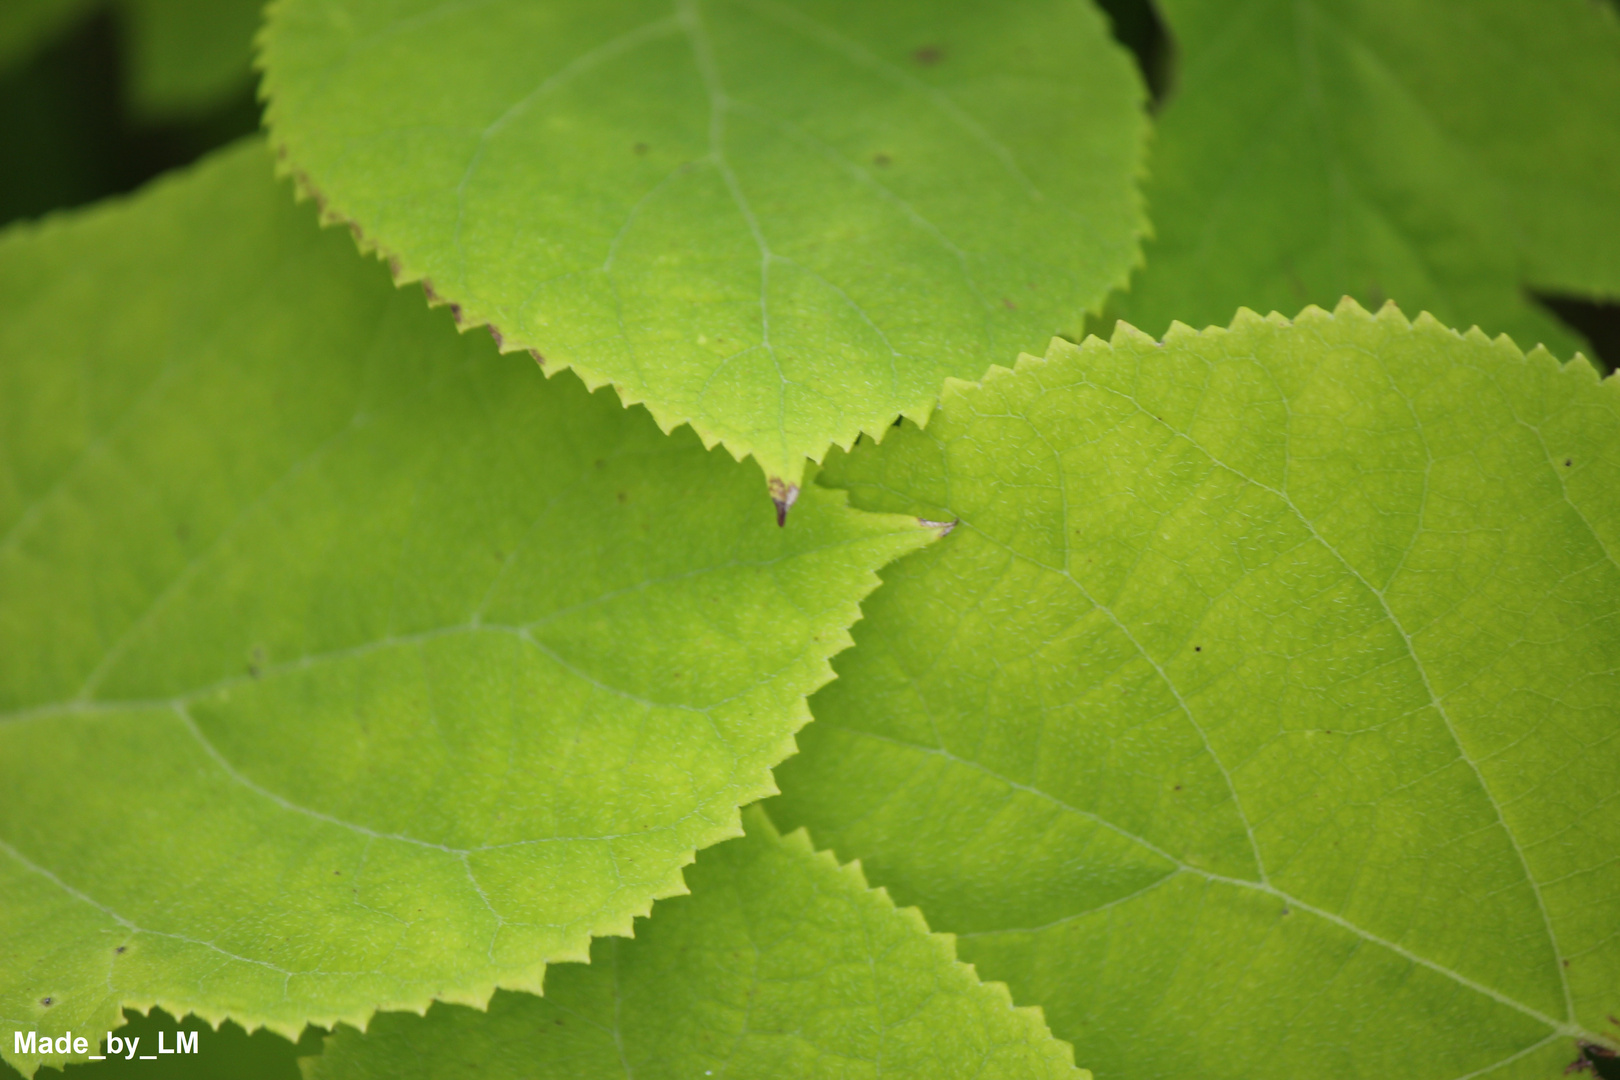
(1447, 155)
(1259, 718)
(780, 964)
(344, 664)
(784, 221)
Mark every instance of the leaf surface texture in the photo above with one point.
(345, 664)
(782, 221)
(1258, 719)
(781, 963)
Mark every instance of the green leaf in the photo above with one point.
(348, 665)
(781, 221)
(780, 964)
(1258, 719)
(1446, 155)
(188, 56)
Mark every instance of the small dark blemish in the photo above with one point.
(623, 497)
(1178, 787)
(120, 949)
(881, 160)
(354, 230)
(455, 312)
(337, 873)
(784, 495)
(1007, 303)
(928, 55)
(1568, 462)
(641, 149)
(537, 357)
(47, 1002)
(394, 266)
(1198, 648)
(500, 342)
(427, 291)
(1566, 963)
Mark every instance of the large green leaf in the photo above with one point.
(345, 665)
(780, 964)
(1261, 717)
(783, 221)
(1445, 154)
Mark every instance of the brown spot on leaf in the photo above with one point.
(784, 495)
(537, 357)
(641, 149)
(928, 55)
(47, 1002)
(882, 161)
(1006, 302)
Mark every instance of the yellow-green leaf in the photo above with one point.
(345, 664)
(781, 221)
(780, 964)
(1261, 716)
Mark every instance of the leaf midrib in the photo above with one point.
(1559, 1027)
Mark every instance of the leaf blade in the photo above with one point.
(1265, 665)
(1329, 149)
(780, 963)
(348, 664)
(763, 219)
